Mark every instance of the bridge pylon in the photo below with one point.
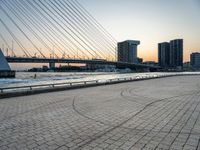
(5, 70)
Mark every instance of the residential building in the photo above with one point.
(163, 54)
(170, 55)
(176, 53)
(127, 51)
(195, 60)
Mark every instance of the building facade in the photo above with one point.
(163, 54)
(170, 55)
(176, 53)
(127, 51)
(195, 60)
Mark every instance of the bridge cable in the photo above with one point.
(94, 20)
(63, 28)
(87, 37)
(7, 44)
(21, 31)
(87, 22)
(78, 25)
(51, 23)
(37, 25)
(101, 33)
(33, 23)
(75, 27)
(71, 30)
(78, 20)
(97, 25)
(16, 40)
(57, 23)
(28, 27)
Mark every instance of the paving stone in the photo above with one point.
(152, 114)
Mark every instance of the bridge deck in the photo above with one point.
(80, 61)
(153, 114)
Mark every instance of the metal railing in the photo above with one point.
(86, 83)
(51, 85)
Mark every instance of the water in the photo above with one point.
(27, 78)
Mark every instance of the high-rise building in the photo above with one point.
(127, 51)
(176, 53)
(195, 60)
(171, 54)
(163, 54)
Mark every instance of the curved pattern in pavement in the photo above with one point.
(152, 114)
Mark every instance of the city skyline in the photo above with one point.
(148, 21)
(151, 22)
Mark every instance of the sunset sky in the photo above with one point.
(150, 21)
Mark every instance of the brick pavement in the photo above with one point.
(156, 114)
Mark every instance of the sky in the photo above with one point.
(150, 21)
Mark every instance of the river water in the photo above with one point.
(27, 78)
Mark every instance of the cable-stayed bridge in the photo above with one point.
(60, 31)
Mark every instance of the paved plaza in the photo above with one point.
(156, 114)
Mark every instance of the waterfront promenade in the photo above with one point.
(152, 114)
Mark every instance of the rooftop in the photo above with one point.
(132, 42)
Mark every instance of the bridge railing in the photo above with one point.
(68, 85)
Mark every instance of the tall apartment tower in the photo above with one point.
(176, 53)
(195, 60)
(127, 51)
(163, 54)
